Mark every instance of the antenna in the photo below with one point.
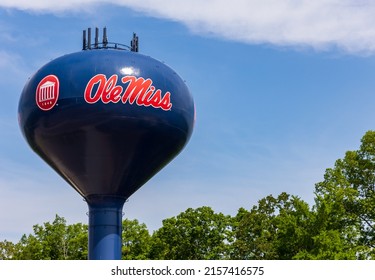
(134, 43)
(105, 39)
(89, 38)
(84, 43)
(96, 37)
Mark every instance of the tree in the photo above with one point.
(54, 241)
(341, 224)
(59, 241)
(136, 240)
(7, 250)
(196, 234)
(276, 228)
(345, 205)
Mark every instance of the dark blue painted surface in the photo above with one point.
(106, 150)
(105, 221)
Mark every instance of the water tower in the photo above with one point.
(106, 119)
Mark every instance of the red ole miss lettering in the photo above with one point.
(138, 90)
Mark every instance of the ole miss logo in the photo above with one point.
(137, 90)
(47, 92)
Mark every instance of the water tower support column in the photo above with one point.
(105, 228)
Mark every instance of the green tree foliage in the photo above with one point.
(345, 206)
(53, 241)
(136, 240)
(196, 234)
(7, 250)
(274, 229)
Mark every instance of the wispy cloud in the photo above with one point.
(321, 24)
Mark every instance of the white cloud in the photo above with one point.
(47, 6)
(321, 24)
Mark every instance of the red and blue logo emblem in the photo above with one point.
(47, 92)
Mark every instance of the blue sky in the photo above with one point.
(282, 89)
